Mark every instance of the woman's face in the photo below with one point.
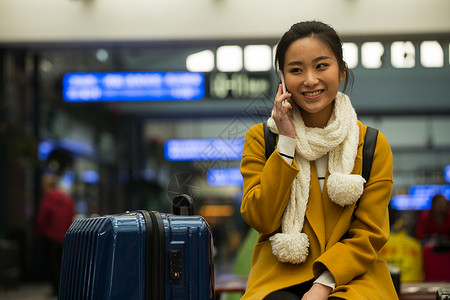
(312, 77)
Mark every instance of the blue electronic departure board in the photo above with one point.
(224, 177)
(203, 149)
(133, 86)
(419, 197)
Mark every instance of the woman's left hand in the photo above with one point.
(318, 292)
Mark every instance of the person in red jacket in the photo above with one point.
(435, 223)
(54, 216)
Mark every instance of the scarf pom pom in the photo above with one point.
(345, 189)
(290, 247)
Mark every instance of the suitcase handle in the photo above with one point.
(183, 200)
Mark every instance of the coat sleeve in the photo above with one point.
(266, 187)
(369, 231)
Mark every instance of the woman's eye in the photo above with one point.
(323, 65)
(296, 70)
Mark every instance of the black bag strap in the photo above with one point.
(370, 142)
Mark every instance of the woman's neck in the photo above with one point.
(319, 119)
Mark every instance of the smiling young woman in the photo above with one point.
(313, 244)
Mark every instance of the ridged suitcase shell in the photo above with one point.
(124, 257)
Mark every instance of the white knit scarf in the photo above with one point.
(340, 140)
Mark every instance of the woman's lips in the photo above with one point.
(313, 94)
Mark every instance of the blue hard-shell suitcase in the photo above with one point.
(139, 255)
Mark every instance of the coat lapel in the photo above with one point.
(314, 211)
(338, 218)
(328, 219)
(332, 212)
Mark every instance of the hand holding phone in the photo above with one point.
(284, 112)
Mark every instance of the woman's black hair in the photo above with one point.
(321, 31)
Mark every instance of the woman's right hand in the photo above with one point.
(282, 114)
(318, 292)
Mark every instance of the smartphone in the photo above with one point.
(283, 84)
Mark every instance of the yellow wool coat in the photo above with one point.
(348, 249)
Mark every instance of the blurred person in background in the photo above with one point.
(435, 222)
(55, 215)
